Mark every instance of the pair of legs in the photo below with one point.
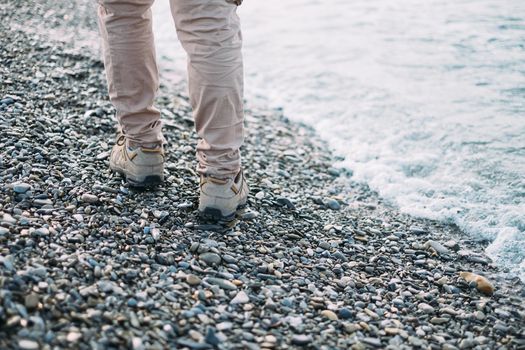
(209, 31)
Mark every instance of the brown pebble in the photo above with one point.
(329, 314)
(483, 284)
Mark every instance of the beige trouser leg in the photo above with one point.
(209, 31)
(131, 68)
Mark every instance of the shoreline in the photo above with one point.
(316, 261)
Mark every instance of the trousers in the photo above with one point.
(210, 33)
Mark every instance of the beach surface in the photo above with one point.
(315, 261)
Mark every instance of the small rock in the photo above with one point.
(240, 298)
(193, 280)
(89, 198)
(224, 326)
(136, 344)
(250, 215)
(437, 247)
(224, 284)
(483, 284)
(372, 341)
(333, 204)
(479, 315)
(211, 337)
(155, 233)
(40, 202)
(345, 313)
(78, 217)
(21, 187)
(285, 202)
(27, 344)
(102, 156)
(210, 258)
(426, 308)
(391, 330)
(301, 339)
(438, 320)
(31, 301)
(73, 337)
(329, 314)
(41, 232)
(418, 230)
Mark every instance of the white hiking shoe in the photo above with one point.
(141, 166)
(220, 198)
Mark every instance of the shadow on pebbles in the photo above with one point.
(315, 261)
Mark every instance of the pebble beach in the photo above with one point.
(315, 261)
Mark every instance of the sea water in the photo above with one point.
(425, 100)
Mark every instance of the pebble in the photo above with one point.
(285, 202)
(31, 301)
(73, 337)
(439, 320)
(372, 341)
(210, 258)
(437, 247)
(240, 298)
(222, 326)
(333, 204)
(26, 344)
(482, 284)
(224, 284)
(89, 198)
(21, 187)
(426, 308)
(211, 337)
(345, 314)
(193, 280)
(329, 314)
(136, 343)
(301, 339)
(250, 215)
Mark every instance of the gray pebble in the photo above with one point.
(210, 258)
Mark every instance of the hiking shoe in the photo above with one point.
(140, 166)
(220, 198)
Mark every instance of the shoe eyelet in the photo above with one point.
(121, 140)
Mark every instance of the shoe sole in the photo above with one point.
(149, 181)
(214, 214)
